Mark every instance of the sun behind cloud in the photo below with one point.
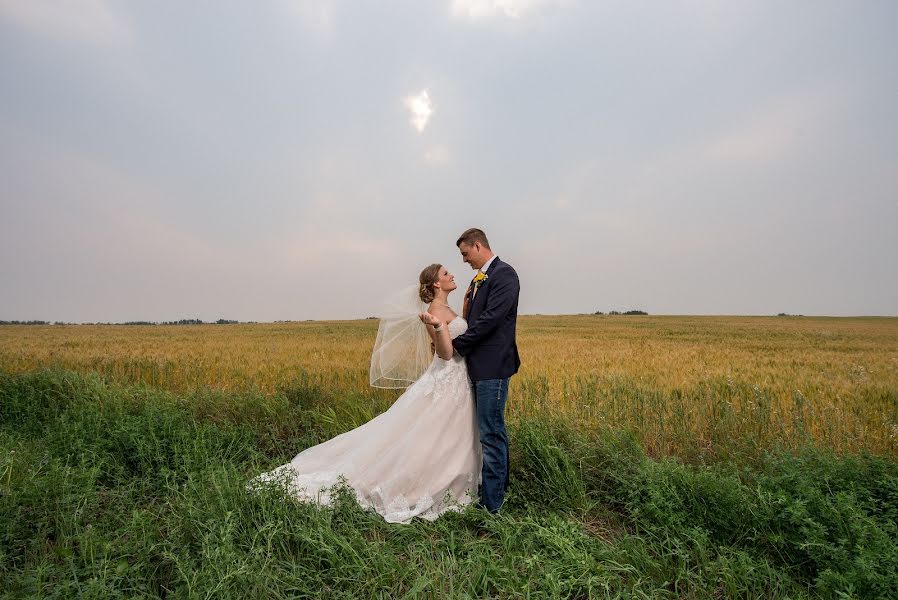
(421, 108)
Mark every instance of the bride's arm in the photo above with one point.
(439, 334)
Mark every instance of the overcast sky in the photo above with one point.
(300, 159)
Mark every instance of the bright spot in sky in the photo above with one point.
(421, 108)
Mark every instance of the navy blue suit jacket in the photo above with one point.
(489, 343)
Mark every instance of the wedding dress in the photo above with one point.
(420, 458)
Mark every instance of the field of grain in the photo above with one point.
(651, 457)
(686, 386)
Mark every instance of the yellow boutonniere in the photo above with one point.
(479, 279)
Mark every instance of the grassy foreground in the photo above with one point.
(125, 490)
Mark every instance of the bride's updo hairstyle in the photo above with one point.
(429, 276)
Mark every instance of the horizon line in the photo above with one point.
(183, 322)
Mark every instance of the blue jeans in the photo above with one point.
(490, 396)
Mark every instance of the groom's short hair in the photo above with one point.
(473, 235)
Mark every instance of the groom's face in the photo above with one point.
(472, 254)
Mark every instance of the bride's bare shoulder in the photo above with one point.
(442, 313)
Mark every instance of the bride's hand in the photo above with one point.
(429, 319)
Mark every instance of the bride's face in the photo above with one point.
(446, 280)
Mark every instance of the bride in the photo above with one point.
(422, 457)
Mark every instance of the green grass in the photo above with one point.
(116, 491)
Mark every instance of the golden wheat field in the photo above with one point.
(687, 386)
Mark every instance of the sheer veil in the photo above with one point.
(402, 348)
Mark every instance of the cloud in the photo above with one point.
(421, 108)
(766, 138)
(314, 15)
(720, 17)
(91, 21)
(319, 247)
(780, 129)
(561, 203)
(438, 155)
(90, 206)
(487, 9)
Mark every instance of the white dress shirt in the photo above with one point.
(487, 264)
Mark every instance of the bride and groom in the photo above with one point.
(445, 435)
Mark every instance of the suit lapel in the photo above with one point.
(479, 294)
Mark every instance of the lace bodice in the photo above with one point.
(457, 326)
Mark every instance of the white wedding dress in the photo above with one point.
(420, 458)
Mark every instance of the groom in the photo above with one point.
(491, 309)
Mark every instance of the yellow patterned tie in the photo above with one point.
(467, 304)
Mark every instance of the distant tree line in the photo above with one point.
(179, 322)
(615, 312)
(184, 322)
